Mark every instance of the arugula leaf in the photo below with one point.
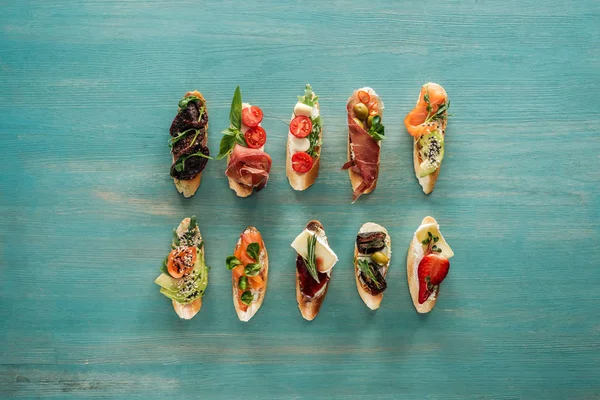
(247, 297)
(235, 113)
(243, 282)
(314, 138)
(180, 164)
(252, 269)
(311, 259)
(253, 250)
(365, 267)
(377, 130)
(174, 140)
(308, 98)
(231, 262)
(184, 102)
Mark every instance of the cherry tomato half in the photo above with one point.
(302, 162)
(301, 126)
(364, 97)
(252, 116)
(255, 137)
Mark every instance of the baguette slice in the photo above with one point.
(373, 302)
(303, 181)
(310, 306)
(415, 254)
(245, 316)
(187, 311)
(189, 187)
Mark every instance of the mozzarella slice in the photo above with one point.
(322, 250)
(302, 109)
(421, 235)
(298, 144)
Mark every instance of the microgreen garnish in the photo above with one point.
(180, 164)
(233, 134)
(243, 282)
(365, 267)
(192, 225)
(429, 242)
(252, 269)
(231, 262)
(253, 250)
(439, 114)
(377, 130)
(247, 297)
(174, 140)
(309, 97)
(311, 259)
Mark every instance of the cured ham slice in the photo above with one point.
(249, 167)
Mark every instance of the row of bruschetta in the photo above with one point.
(248, 165)
(184, 276)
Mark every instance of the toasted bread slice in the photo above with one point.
(189, 187)
(302, 181)
(373, 302)
(263, 257)
(310, 306)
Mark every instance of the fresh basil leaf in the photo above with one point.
(253, 250)
(243, 283)
(226, 146)
(252, 269)
(247, 297)
(377, 130)
(235, 113)
(232, 262)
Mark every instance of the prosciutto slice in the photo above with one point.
(364, 150)
(249, 167)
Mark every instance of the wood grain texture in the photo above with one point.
(88, 91)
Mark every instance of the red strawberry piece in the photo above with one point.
(432, 270)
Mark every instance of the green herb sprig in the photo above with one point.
(233, 134)
(252, 269)
(247, 297)
(311, 259)
(309, 98)
(429, 242)
(253, 250)
(377, 130)
(231, 262)
(180, 164)
(365, 267)
(184, 102)
(314, 137)
(439, 114)
(243, 283)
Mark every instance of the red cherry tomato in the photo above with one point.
(255, 137)
(251, 116)
(301, 126)
(364, 96)
(302, 162)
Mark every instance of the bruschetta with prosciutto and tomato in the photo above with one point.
(249, 266)
(427, 264)
(426, 123)
(372, 255)
(365, 133)
(243, 144)
(303, 150)
(314, 264)
(184, 274)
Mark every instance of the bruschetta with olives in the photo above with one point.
(303, 150)
(427, 264)
(365, 133)
(249, 266)
(372, 255)
(426, 123)
(189, 136)
(243, 144)
(314, 264)
(184, 274)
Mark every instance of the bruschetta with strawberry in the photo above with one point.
(249, 266)
(427, 264)
(243, 143)
(305, 136)
(372, 255)
(426, 123)
(184, 274)
(314, 263)
(189, 137)
(365, 133)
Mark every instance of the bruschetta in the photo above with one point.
(305, 136)
(314, 264)
(249, 266)
(426, 123)
(189, 136)
(365, 133)
(243, 144)
(372, 255)
(427, 264)
(184, 274)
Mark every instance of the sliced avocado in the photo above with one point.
(431, 151)
(172, 287)
(167, 282)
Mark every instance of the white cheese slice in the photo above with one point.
(323, 252)
(302, 109)
(298, 144)
(421, 235)
(315, 112)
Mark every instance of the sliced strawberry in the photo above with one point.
(432, 270)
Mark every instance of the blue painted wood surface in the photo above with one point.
(88, 90)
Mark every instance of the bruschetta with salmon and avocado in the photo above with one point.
(249, 266)
(305, 136)
(426, 123)
(184, 272)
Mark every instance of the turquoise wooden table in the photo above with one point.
(88, 90)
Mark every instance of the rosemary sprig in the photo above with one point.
(365, 268)
(311, 259)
